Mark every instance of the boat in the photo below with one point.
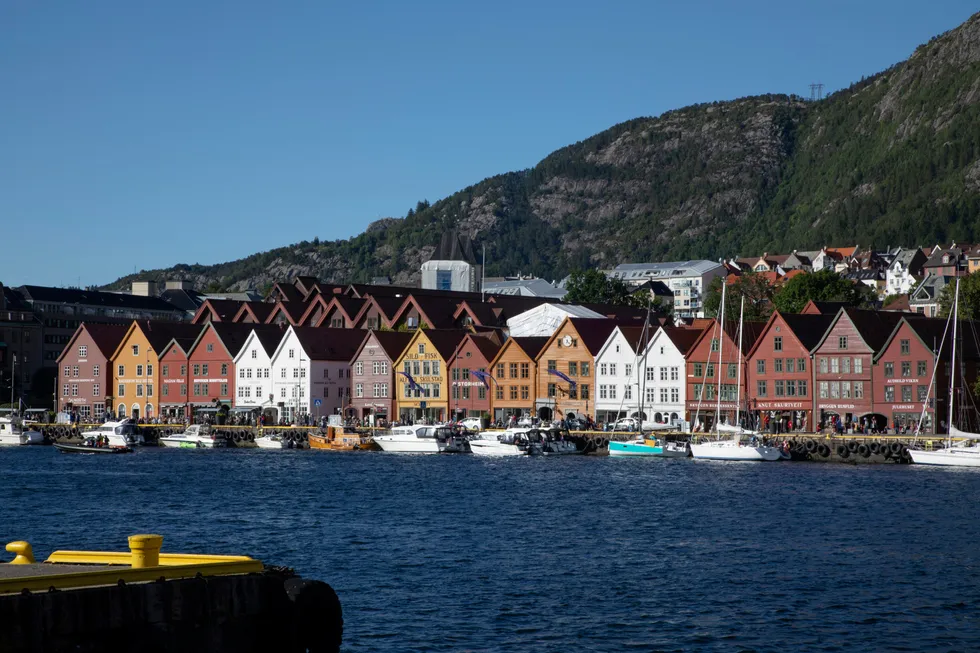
(90, 448)
(512, 442)
(195, 436)
(649, 447)
(733, 448)
(274, 441)
(965, 452)
(335, 439)
(123, 433)
(551, 442)
(409, 439)
(13, 433)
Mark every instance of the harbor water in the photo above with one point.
(460, 553)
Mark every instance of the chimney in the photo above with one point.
(179, 284)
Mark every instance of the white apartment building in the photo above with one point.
(689, 281)
(616, 367)
(253, 370)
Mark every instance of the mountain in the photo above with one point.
(892, 160)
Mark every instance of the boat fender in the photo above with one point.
(896, 448)
(238, 437)
(810, 446)
(823, 450)
(863, 451)
(852, 446)
(251, 437)
(842, 451)
(874, 448)
(318, 621)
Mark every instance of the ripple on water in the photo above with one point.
(457, 553)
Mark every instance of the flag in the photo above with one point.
(561, 375)
(411, 382)
(483, 376)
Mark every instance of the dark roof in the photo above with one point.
(392, 342)
(226, 309)
(351, 305)
(930, 331)
(233, 335)
(751, 331)
(48, 295)
(829, 308)
(388, 305)
(293, 310)
(364, 290)
(305, 283)
(446, 340)
(106, 336)
(159, 334)
(454, 247)
(634, 334)
(488, 348)
(626, 315)
(261, 310)
(290, 292)
(438, 310)
(531, 345)
(185, 300)
(682, 337)
(808, 329)
(874, 327)
(593, 332)
(325, 344)
(269, 336)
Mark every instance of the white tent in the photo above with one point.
(545, 319)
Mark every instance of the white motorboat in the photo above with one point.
(272, 442)
(195, 437)
(13, 432)
(734, 449)
(409, 439)
(123, 433)
(512, 442)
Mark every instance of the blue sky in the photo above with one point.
(140, 135)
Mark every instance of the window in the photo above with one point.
(651, 395)
(732, 371)
(612, 369)
(845, 365)
(183, 390)
(224, 369)
(96, 389)
(358, 368)
(282, 373)
(500, 370)
(552, 365)
(136, 350)
(210, 347)
(603, 391)
(165, 370)
(906, 347)
(710, 372)
(149, 391)
(675, 373)
(824, 394)
(196, 368)
(842, 342)
(920, 368)
(859, 389)
(292, 353)
(74, 370)
(663, 395)
(675, 395)
(375, 368)
(777, 343)
(513, 370)
(698, 371)
(651, 372)
(801, 365)
(889, 393)
(255, 354)
(67, 371)
(835, 390)
(466, 392)
(585, 389)
(780, 390)
(551, 390)
(295, 372)
(906, 393)
(358, 390)
(629, 369)
(525, 392)
(628, 392)
(858, 365)
(906, 369)
(790, 366)
(499, 392)
(835, 366)
(525, 370)
(845, 389)
(790, 388)
(777, 365)
(584, 368)
(139, 370)
(65, 390)
(166, 391)
(121, 371)
(572, 368)
(714, 344)
(82, 351)
(513, 393)
(761, 388)
(421, 348)
(427, 369)
(922, 392)
(823, 365)
(801, 388)
(139, 391)
(183, 370)
(95, 371)
(889, 370)
(204, 370)
(760, 366)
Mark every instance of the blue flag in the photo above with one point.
(411, 382)
(561, 375)
(483, 376)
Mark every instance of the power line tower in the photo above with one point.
(816, 92)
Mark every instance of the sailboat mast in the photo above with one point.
(721, 345)
(952, 363)
(738, 387)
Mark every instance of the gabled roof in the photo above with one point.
(269, 336)
(592, 332)
(220, 310)
(109, 300)
(286, 292)
(445, 340)
(231, 335)
(900, 303)
(305, 284)
(393, 343)
(159, 334)
(320, 301)
(436, 312)
(808, 328)
(292, 310)
(259, 312)
(531, 345)
(682, 337)
(930, 330)
(185, 300)
(488, 348)
(873, 327)
(106, 337)
(826, 308)
(751, 331)
(325, 344)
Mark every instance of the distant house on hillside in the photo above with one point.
(688, 280)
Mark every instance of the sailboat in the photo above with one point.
(964, 452)
(645, 445)
(732, 448)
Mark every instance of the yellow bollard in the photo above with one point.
(145, 550)
(25, 555)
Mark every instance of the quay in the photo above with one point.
(148, 601)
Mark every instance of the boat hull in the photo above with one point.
(269, 443)
(419, 445)
(635, 449)
(83, 448)
(951, 457)
(492, 448)
(735, 452)
(18, 439)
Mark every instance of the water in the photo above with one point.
(458, 553)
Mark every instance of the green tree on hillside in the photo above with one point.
(969, 298)
(756, 289)
(593, 287)
(822, 286)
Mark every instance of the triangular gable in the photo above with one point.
(406, 305)
(842, 312)
(71, 342)
(282, 309)
(371, 302)
(174, 342)
(282, 343)
(315, 310)
(758, 341)
(135, 325)
(419, 333)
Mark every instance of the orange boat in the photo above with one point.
(338, 440)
